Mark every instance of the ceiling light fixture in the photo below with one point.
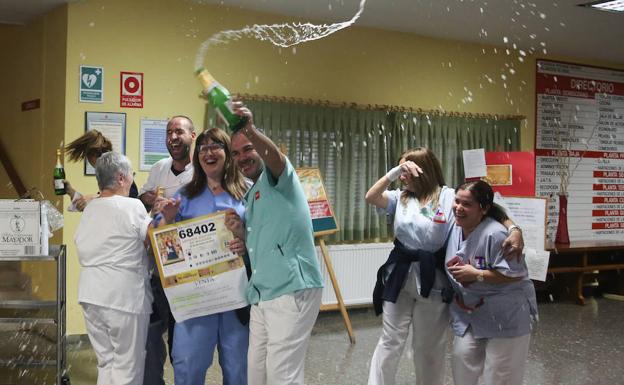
(610, 6)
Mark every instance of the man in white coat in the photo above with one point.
(168, 175)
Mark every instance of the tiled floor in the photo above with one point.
(571, 345)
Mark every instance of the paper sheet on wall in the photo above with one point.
(537, 263)
(474, 163)
(112, 126)
(152, 147)
(530, 215)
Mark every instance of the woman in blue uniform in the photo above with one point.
(494, 304)
(217, 185)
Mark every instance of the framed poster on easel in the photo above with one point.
(323, 223)
(323, 220)
(112, 125)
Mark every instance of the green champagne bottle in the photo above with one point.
(219, 98)
(59, 175)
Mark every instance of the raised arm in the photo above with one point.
(78, 201)
(376, 194)
(273, 158)
(69, 189)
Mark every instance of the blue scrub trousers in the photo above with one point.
(194, 341)
(160, 321)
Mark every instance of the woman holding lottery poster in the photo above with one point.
(217, 185)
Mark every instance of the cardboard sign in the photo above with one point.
(20, 228)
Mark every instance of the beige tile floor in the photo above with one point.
(572, 344)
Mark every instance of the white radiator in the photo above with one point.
(355, 267)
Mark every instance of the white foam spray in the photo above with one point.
(282, 35)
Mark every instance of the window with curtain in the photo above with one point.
(354, 147)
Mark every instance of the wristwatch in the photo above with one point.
(514, 227)
(480, 277)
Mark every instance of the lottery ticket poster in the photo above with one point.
(323, 220)
(199, 274)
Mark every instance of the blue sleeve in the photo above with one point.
(240, 210)
(134, 191)
(393, 199)
(183, 203)
(497, 261)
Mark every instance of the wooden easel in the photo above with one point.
(323, 223)
(334, 281)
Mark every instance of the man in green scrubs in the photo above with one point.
(285, 285)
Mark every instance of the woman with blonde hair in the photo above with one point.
(217, 185)
(412, 289)
(89, 146)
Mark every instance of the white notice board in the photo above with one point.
(110, 124)
(153, 146)
(530, 214)
(580, 121)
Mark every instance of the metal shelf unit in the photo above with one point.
(58, 308)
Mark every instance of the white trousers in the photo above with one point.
(500, 360)
(279, 332)
(118, 339)
(429, 319)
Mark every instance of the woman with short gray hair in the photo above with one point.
(114, 289)
(110, 166)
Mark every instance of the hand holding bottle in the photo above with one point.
(69, 189)
(239, 108)
(220, 99)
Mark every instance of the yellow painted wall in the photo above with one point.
(22, 77)
(362, 65)
(33, 67)
(9, 37)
